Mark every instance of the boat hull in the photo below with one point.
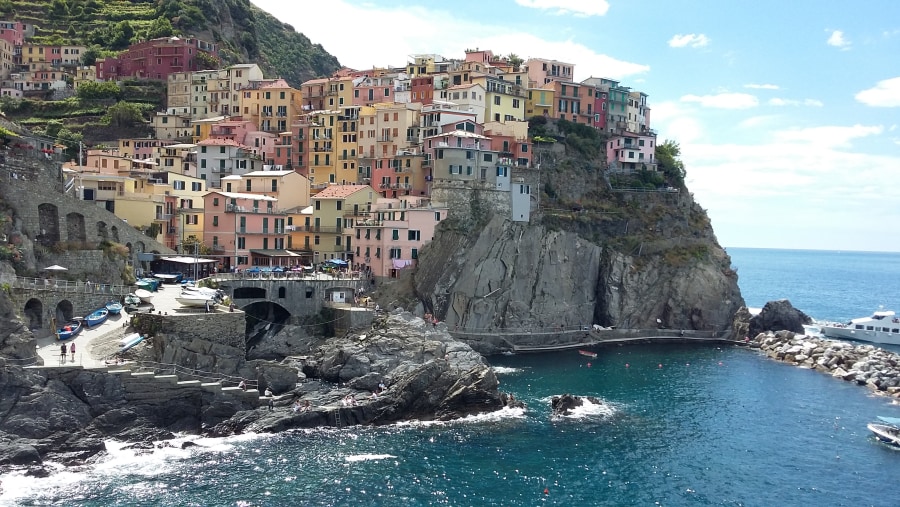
(75, 327)
(885, 433)
(97, 318)
(130, 341)
(114, 308)
(144, 295)
(195, 302)
(847, 333)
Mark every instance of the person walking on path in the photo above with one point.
(72, 350)
(62, 353)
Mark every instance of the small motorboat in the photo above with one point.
(130, 341)
(588, 353)
(97, 317)
(70, 329)
(148, 284)
(144, 295)
(169, 278)
(114, 307)
(196, 300)
(888, 433)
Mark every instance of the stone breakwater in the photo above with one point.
(866, 365)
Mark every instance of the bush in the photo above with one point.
(99, 90)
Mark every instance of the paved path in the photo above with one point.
(85, 344)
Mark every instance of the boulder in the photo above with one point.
(779, 316)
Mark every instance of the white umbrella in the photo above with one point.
(55, 267)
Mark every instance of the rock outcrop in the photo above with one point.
(426, 375)
(518, 276)
(867, 365)
(778, 316)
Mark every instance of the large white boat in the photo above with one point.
(881, 327)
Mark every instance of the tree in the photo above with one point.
(90, 55)
(124, 114)
(667, 157)
(191, 242)
(121, 35)
(206, 61)
(515, 60)
(160, 27)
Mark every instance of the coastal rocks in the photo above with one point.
(563, 405)
(778, 316)
(401, 369)
(863, 364)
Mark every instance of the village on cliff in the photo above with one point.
(359, 166)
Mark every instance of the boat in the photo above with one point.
(130, 341)
(198, 300)
(588, 353)
(97, 317)
(114, 307)
(882, 326)
(888, 433)
(144, 295)
(70, 329)
(149, 284)
(169, 278)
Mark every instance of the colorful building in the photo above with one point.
(631, 152)
(330, 233)
(157, 58)
(242, 228)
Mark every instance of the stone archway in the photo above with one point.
(75, 231)
(48, 218)
(249, 293)
(34, 314)
(102, 233)
(64, 311)
(115, 233)
(139, 247)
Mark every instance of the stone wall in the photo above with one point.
(59, 304)
(302, 297)
(464, 198)
(223, 327)
(34, 187)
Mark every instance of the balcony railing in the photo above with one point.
(163, 217)
(217, 247)
(231, 208)
(319, 228)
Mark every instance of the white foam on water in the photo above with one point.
(503, 370)
(754, 310)
(589, 409)
(367, 457)
(505, 413)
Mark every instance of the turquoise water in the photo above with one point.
(683, 425)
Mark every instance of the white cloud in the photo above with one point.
(831, 136)
(724, 100)
(885, 93)
(755, 122)
(580, 8)
(837, 40)
(457, 34)
(690, 39)
(791, 102)
(761, 86)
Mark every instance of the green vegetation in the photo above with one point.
(669, 164)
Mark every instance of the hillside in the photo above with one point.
(244, 32)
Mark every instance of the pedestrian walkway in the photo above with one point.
(48, 347)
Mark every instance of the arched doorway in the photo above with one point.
(75, 228)
(102, 233)
(115, 233)
(48, 217)
(64, 311)
(34, 314)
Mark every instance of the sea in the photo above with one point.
(672, 425)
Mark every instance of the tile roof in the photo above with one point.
(339, 191)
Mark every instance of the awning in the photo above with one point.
(188, 260)
(279, 253)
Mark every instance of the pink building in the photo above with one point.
(156, 59)
(631, 152)
(242, 229)
(14, 32)
(389, 238)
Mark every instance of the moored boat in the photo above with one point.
(169, 278)
(130, 341)
(588, 353)
(197, 300)
(70, 329)
(96, 317)
(882, 326)
(144, 295)
(114, 307)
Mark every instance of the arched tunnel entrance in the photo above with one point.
(264, 319)
(34, 313)
(64, 311)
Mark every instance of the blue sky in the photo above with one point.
(786, 112)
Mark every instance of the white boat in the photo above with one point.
(144, 295)
(888, 433)
(195, 300)
(881, 327)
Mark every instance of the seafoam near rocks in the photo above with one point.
(864, 364)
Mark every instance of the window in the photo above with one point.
(316, 240)
(395, 234)
(413, 235)
(437, 216)
(415, 253)
(241, 243)
(488, 157)
(215, 201)
(496, 100)
(274, 185)
(516, 103)
(395, 253)
(215, 220)
(196, 186)
(339, 205)
(249, 186)
(178, 185)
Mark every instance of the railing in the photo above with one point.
(317, 228)
(69, 286)
(163, 216)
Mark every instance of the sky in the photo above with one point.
(786, 112)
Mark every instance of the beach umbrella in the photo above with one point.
(55, 267)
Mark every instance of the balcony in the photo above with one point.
(319, 229)
(384, 139)
(217, 247)
(163, 217)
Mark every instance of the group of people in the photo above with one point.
(301, 407)
(63, 350)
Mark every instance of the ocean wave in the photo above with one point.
(504, 414)
(503, 370)
(367, 457)
(588, 410)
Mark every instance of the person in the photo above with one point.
(207, 307)
(306, 406)
(381, 387)
(62, 352)
(231, 307)
(243, 385)
(72, 350)
(271, 397)
(296, 407)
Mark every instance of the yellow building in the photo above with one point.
(321, 155)
(504, 101)
(331, 228)
(289, 187)
(271, 104)
(540, 102)
(84, 74)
